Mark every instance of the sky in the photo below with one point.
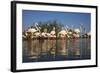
(66, 18)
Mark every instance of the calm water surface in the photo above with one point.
(39, 50)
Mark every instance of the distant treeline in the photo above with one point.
(49, 25)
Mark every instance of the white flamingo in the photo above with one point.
(81, 29)
(32, 30)
(77, 33)
(44, 33)
(77, 30)
(25, 35)
(89, 34)
(38, 33)
(35, 31)
(62, 33)
(36, 26)
(52, 33)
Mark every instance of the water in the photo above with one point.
(39, 50)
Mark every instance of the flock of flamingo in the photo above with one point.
(34, 32)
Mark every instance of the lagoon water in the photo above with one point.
(41, 50)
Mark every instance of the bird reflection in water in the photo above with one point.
(48, 49)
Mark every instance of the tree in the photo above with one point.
(49, 26)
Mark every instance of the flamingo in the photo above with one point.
(52, 33)
(77, 32)
(38, 33)
(62, 33)
(81, 30)
(25, 35)
(31, 29)
(31, 32)
(34, 31)
(89, 34)
(44, 33)
(36, 26)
